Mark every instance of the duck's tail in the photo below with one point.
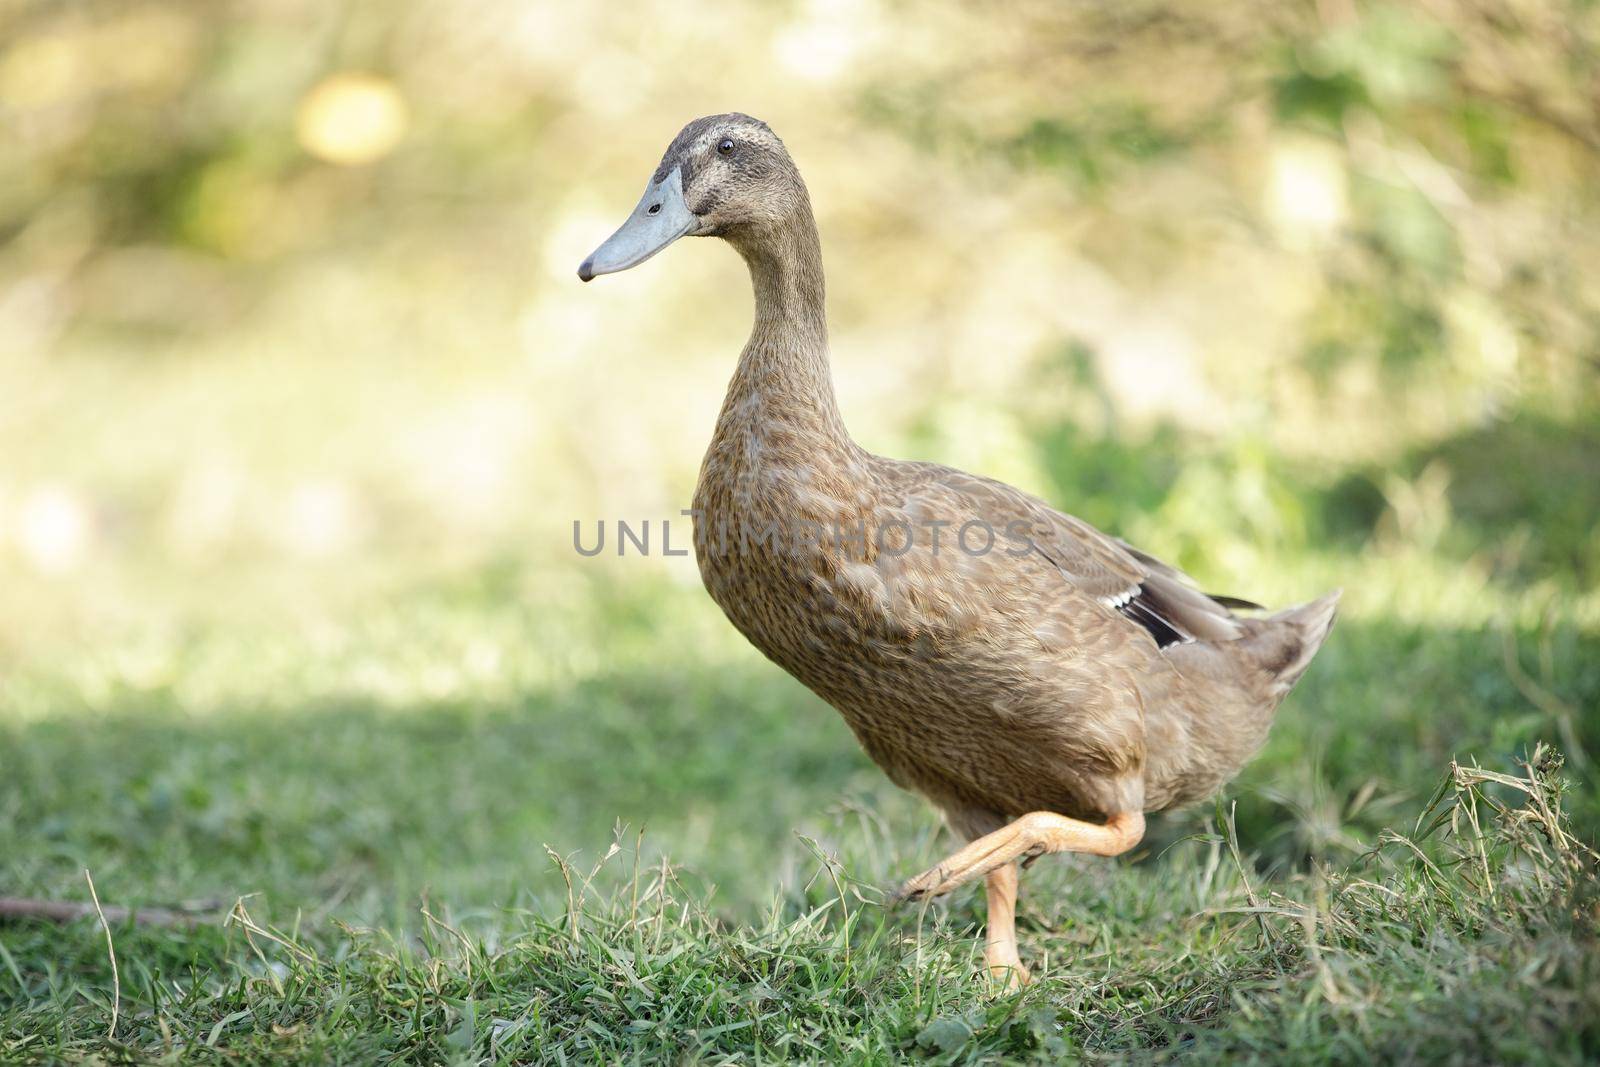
(1284, 644)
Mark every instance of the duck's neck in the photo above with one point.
(783, 370)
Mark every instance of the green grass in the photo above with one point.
(417, 811)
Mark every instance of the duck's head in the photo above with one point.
(722, 176)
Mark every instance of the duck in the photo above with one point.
(1044, 685)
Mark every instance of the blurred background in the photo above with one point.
(300, 398)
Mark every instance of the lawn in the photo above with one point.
(471, 826)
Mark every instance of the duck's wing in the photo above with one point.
(1137, 586)
(1156, 566)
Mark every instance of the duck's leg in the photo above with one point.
(1000, 948)
(1032, 835)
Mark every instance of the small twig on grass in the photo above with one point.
(65, 911)
(111, 950)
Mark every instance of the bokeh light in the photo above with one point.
(54, 529)
(351, 119)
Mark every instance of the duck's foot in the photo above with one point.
(1032, 835)
(1005, 968)
(1007, 976)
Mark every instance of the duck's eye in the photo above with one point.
(726, 146)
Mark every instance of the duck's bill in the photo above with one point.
(660, 219)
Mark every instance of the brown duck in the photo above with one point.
(1043, 684)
